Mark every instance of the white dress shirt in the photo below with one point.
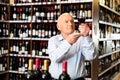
(75, 54)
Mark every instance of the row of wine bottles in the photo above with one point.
(20, 47)
(3, 47)
(23, 64)
(3, 30)
(35, 1)
(44, 31)
(21, 13)
(26, 31)
(108, 46)
(39, 48)
(113, 4)
(108, 61)
(109, 75)
(3, 64)
(29, 1)
(14, 76)
(36, 69)
(49, 12)
(106, 15)
(4, 13)
(74, 9)
(107, 31)
(44, 12)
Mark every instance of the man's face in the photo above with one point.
(66, 25)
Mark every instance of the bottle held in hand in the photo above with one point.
(81, 17)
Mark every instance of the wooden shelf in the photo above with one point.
(103, 72)
(3, 72)
(28, 56)
(113, 11)
(108, 54)
(110, 24)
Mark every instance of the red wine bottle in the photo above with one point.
(81, 20)
(81, 17)
(64, 75)
(46, 75)
(37, 71)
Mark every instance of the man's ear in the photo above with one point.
(58, 27)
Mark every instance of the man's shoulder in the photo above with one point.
(54, 37)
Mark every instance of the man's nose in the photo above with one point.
(70, 23)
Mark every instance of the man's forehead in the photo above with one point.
(67, 17)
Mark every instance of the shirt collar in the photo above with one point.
(60, 37)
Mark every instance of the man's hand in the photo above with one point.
(72, 38)
(84, 29)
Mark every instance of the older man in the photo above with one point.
(71, 46)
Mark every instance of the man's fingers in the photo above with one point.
(76, 34)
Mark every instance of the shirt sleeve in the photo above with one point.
(57, 49)
(88, 48)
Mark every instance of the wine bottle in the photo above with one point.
(3, 13)
(37, 71)
(33, 31)
(5, 47)
(34, 49)
(40, 49)
(10, 64)
(88, 69)
(64, 75)
(20, 65)
(30, 70)
(46, 75)
(43, 49)
(5, 63)
(26, 47)
(5, 30)
(81, 17)
(14, 14)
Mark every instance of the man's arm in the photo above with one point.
(88, 48)
(57, 51)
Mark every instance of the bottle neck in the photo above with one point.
(46, 65)
(37, 63)
(64, 66)
(30, 67)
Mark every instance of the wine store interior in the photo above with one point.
(27, 25)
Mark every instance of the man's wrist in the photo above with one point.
(90, 33)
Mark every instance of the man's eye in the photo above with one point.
(72, 21)
(66, 21)
(69, 21)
